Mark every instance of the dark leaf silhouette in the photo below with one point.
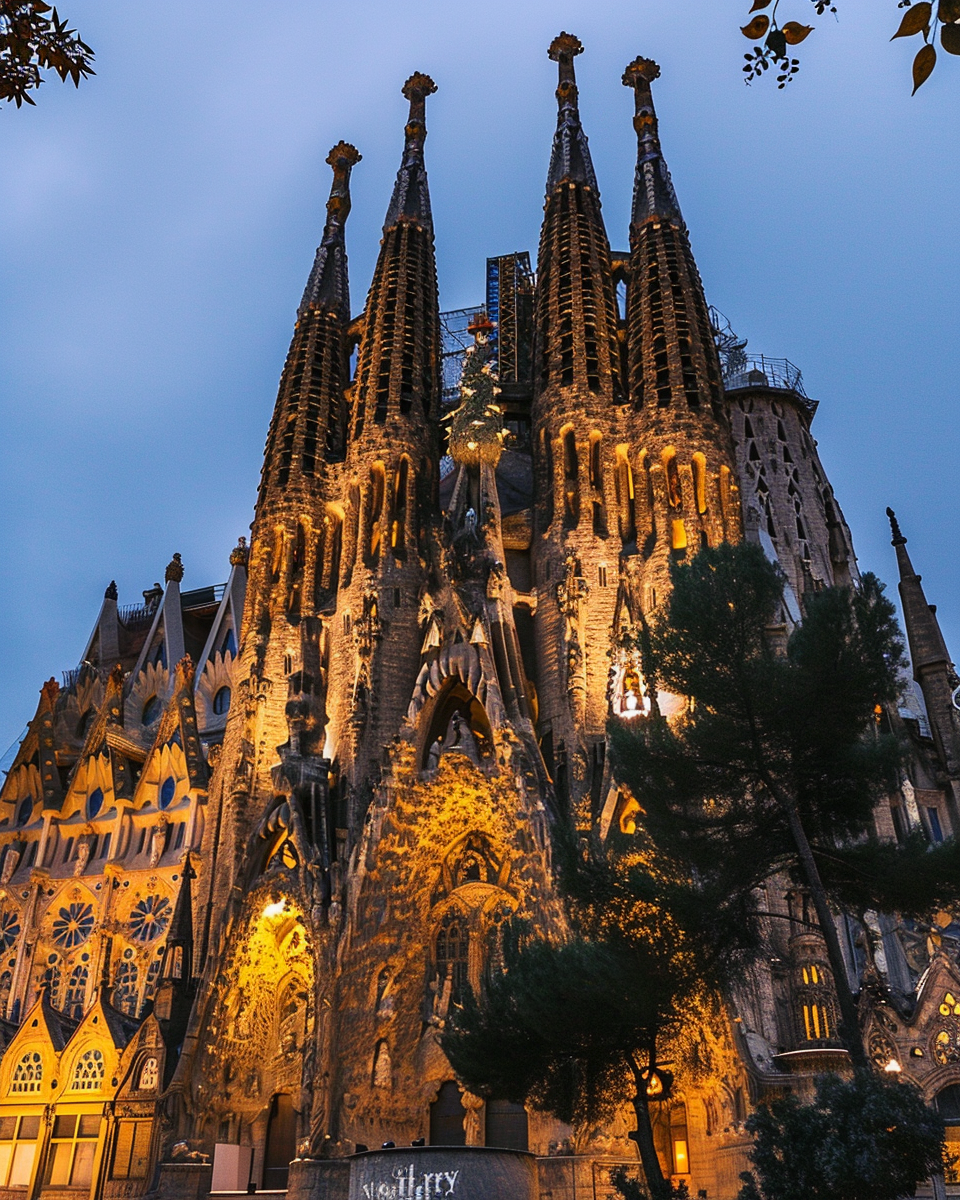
(32, 42)
(923, 64)
(915, 20)
(949, 11)
(794, 32)
(758, 4)
(757, 27)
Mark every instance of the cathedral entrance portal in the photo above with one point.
(281, 1143)
(446, 1117)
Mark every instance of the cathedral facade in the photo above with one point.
(258, 845)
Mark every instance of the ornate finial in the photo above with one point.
(240, 554)
(653, 194)
(111, 592)
(417, 88)
(564, 49)
(343, 157)
(644, 69)
(410, 196)
(481, 327)
(570, 157)
(327, 284)
(898, 538)
(174, 571)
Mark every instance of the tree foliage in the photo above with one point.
(34, 39)
(862, 1139)
(779, 759)
(773, 41)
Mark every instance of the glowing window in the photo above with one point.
(149, 1075)
(18, 1148)
(73, 1147)
(131, 1155)
(88, 1073)
(76, 992)
(28, 1073)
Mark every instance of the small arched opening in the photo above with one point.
(446, 1117)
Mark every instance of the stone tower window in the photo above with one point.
(453, 952)
(375, 510)
(398, 526)
(571, 471)
(626, 497)
(699, 463)
(674, 491)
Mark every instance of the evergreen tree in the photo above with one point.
(861, 1139)
(778, 759)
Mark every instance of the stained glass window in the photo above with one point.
(149, 918)
(167, 791)
(73, 925)
(125, 987)
(76, 992)
(9, 928)
(94, 803)
(453, 944)
(88, 1073)
(28, 1073)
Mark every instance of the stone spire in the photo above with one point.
(328, 286)
(570, 157)
(398, 365)
(411, 197)
(927, 648)
(576, 303)
(653, 194)
(686, 489)
(309, 419)
(932, 667)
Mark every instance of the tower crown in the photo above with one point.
(411, 199)
(327, 286)
(653, 194)
(570, 157)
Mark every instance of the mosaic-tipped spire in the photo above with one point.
(570, 156)
(328, 285)
(653, 194)
(411, 197)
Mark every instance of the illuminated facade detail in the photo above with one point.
(28, 1074)
(262, 841)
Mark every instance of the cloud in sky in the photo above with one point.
(157, 226)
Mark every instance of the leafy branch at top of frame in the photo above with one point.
(771, 51)
(33, 39)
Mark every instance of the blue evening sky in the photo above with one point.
(157, 226)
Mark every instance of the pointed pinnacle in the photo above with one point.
(898, 538)
(653, 194)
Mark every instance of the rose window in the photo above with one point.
(9, 929)
(149, 918)
(73, 925)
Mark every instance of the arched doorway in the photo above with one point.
(446, 1117)
(505, 1125)
(281, 1143)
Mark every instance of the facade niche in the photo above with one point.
(571, 472)
(596, 485)
(375, 496)
(447, 1116)
(626, 497)
(398, 524)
